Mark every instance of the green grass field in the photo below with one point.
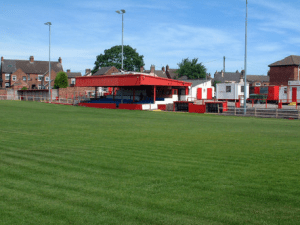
(75, 165)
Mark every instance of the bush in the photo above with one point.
(61, 80)
(24, 88)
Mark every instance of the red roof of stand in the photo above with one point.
(131, 79)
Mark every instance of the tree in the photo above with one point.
(132, 61)
(191, 68)
(215, 83)
(61, 80)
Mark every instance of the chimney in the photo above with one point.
(241, 77)
(68, 71)
(222, 73)
(141, 69)
(152, 69)
(163, 69)
(31, 59)
(59, 60)
(87, 71)
(1, 58)
(167, 68)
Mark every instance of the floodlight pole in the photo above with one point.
(122, 11)
(49, 82)
(245, 63)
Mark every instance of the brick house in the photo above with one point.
(285, 70)
(72, 77)
(106, 71)
(28, 73)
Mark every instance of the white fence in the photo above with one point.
(261, 112)
(72, 101)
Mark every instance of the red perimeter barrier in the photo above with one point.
(130, 106)
(162, 107)
(197, 108)
(99, 105)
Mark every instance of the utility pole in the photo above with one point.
(224, 64)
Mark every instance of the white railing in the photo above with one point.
(261, 112)
(58, 100)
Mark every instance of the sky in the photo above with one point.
(163, 31)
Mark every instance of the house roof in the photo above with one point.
(287, 61)
(73, 74)
(235, 77)
(261, 78)
(227, 77)
(38, 67)
(196, 82)
(160, 73)
(103, 70)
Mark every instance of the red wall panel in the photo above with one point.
(131, 106)
(197, 108)
(273, 93)
(294, 94)
(209, 93)
(199, 93)
(162, 107)
(99, 105)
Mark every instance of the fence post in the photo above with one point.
(234, 110)
(254, 111)
(276, 113)
(298, 115)
(218, 109)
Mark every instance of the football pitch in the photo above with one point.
(74, 165)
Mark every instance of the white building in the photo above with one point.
(200, 89)
(231, 91)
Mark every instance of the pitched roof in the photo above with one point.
(160, 73)
(103, 70)
(38, 67)
(287, 61)
(261, 78)
(73, 74)
(235, 77)
(227, 77)
(196, 82)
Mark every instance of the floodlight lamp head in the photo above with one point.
(123, 10)
(48, 23)
(118, 11)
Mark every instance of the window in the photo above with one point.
(40, 86)
(14, 77)
(6, 84)
(257, 84)
(72, 80)
(40, 77)
(242, 88)
(285, 90)
(24, 78)
(7, 76)
(28, 77)
(47, 78)
(228, 88)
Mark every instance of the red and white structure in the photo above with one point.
(141, 91)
